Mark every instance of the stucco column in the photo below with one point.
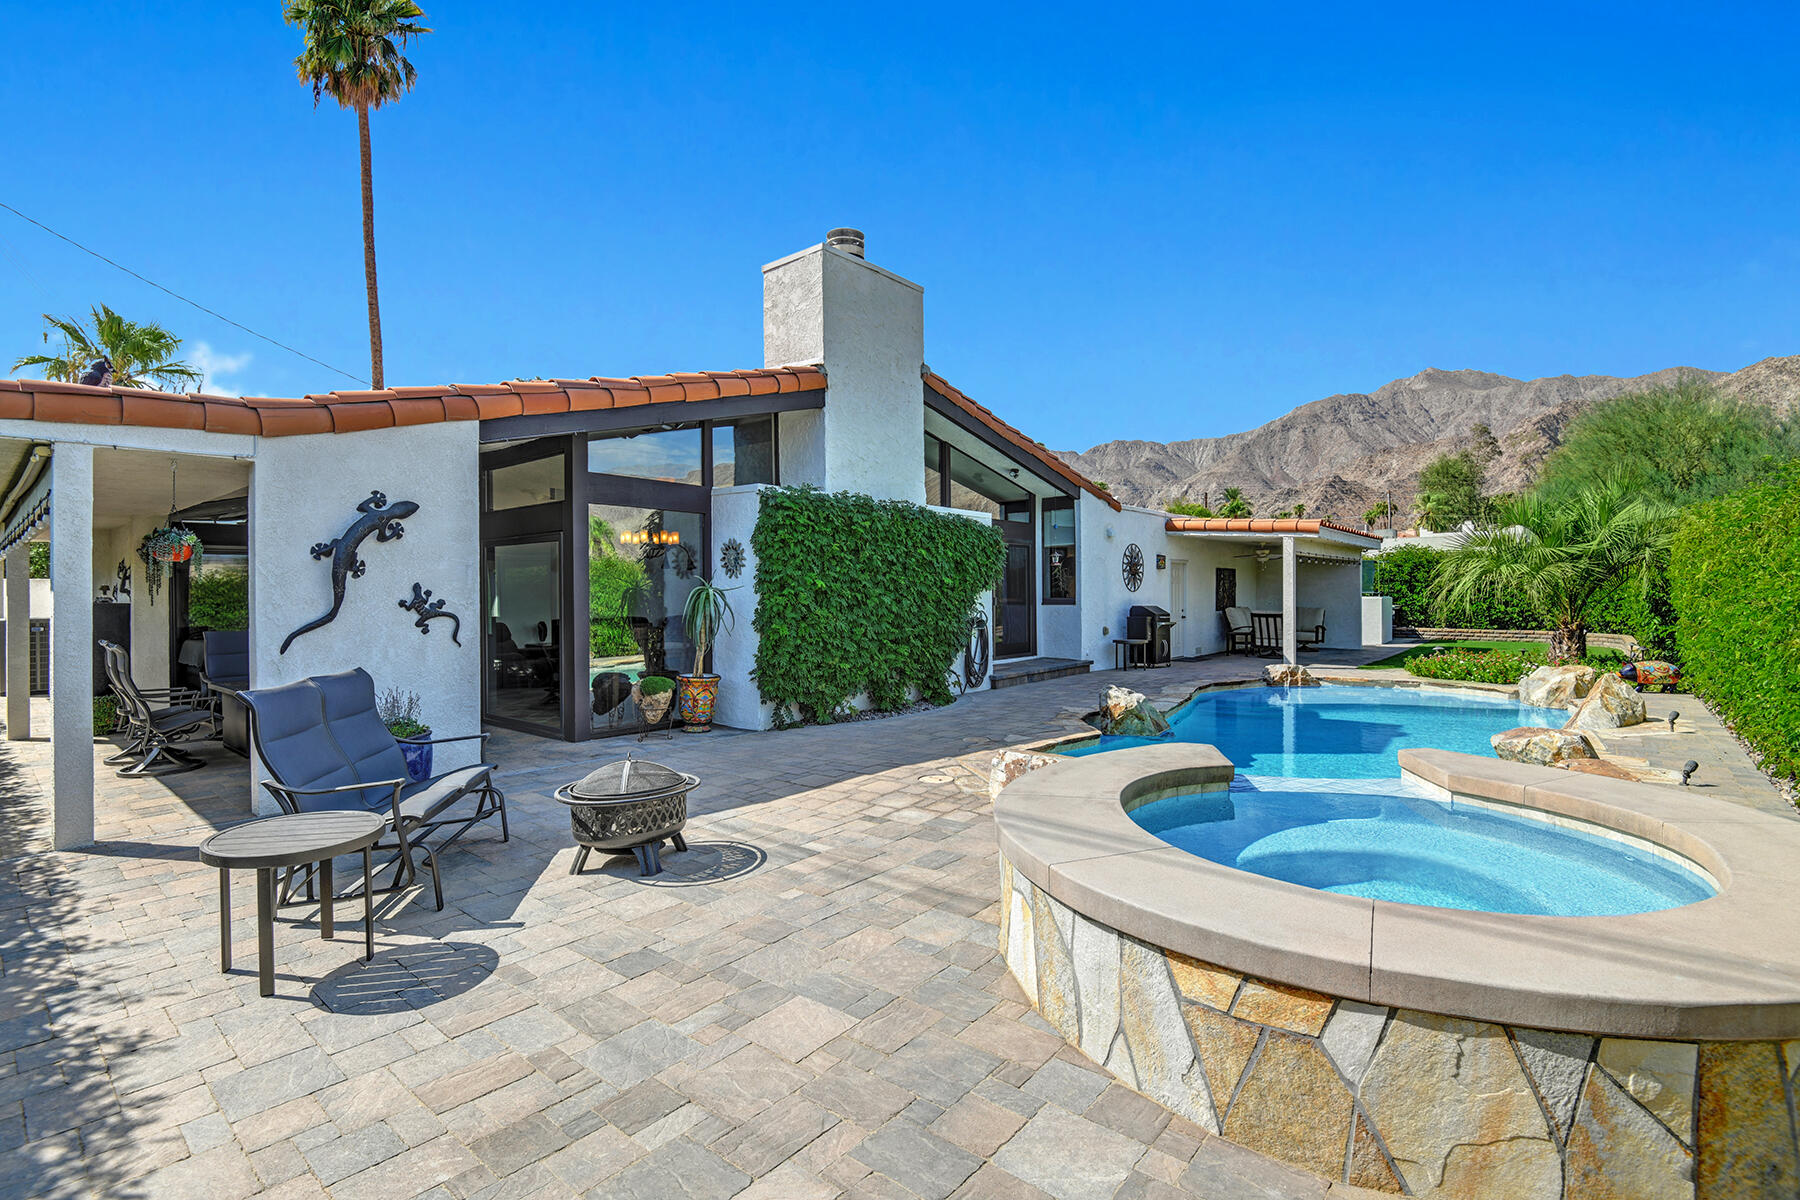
(18, 642)
(72, 643)
(1290, 599)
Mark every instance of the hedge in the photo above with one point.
(219, 599)
(1734, 571)
(858, 595)
(1407, 573)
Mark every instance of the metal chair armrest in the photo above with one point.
(285, 795)
(425, 741)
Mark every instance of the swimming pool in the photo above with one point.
(1334, 732)
(1318, 800)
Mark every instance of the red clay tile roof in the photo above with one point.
(1293, 525)
(1037, 450)
(350, 412)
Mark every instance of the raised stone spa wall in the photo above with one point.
(1405, 1101)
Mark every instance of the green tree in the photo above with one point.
(1557, 556)
(612, 579)
(1450, 490)
(142, 353)
(1678, 444)
(1377, 514)
(1189, 508)
(352, 53)
(1299, 510)
(1233, 503)
(1483, 445)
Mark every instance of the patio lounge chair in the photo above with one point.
(1239, 637)
(1309, 627)
(157, 720)
(326, 748)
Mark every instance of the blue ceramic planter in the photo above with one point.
(418, 759)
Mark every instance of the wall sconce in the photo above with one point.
(1109, 533)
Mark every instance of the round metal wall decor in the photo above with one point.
(1134, 567)
(731, 558)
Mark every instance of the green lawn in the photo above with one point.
(1411, 652)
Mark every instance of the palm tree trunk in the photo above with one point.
(368, 205)
(1568, 643)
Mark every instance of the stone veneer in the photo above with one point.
(1404, 1101)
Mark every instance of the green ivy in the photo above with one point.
(1734, 571)
(859, 595)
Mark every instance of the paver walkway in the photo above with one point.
(807, 1004)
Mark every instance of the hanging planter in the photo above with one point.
(168, 543)
(164, 545)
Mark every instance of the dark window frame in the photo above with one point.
(1046, 506)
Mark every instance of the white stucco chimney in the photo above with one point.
(828, 304)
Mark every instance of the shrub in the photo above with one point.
(219, 600)
(655, 685)
(106, 715)
(859, 595)
(610, 579)
(1498, 666)
(1734, 571)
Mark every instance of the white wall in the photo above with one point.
(867, 325)
(304, 490)
(1100, 582)
(1337, 588)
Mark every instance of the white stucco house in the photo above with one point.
(535, 508)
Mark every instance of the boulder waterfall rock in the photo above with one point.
(1126, 713)
(1288, 675)
(1610, 704)
(1557, 687)
(1544, 747)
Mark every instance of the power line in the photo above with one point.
(194, 303)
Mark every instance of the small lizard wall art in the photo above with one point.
(376, 517)
(428, 609)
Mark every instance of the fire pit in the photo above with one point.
(628, 805)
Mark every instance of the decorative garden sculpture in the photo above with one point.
(378, 518)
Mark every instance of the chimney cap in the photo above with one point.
(850, 241)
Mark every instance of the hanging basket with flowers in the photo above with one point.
(164, 545)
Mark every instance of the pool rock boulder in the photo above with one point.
(1125, 713)
(1544, 747)
(1610, 704)
(1288, 675)
(1557, 687)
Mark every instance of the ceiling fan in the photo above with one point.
(1260, 554)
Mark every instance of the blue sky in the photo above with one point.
(1130, 221)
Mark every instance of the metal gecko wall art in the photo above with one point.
(376, 517)
(428, 610)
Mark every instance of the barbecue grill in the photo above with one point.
(1153, 625)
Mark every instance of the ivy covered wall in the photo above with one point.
(856, 595)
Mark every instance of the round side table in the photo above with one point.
(290, 840)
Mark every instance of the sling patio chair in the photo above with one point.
(1238, 635)
(1309, 628)
(157, 720)
(325, 748)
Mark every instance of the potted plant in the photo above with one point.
(399, 711)
(707, 614)
(167, 544)
(653, 694)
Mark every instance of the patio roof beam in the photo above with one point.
(641, 416)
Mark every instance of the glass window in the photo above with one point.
(982, 489)
(671, 454)
(524, 632)
(744, 451)
(642, 563)
(934, 476)
(1059, 550)
(539, 481)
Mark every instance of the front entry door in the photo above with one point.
(1015, 632)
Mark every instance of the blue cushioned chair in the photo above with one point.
(326, 748)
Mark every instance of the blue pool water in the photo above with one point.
(1318, 801)
(1387, 844)
(1336, 732)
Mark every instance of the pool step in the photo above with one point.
(1036, 670)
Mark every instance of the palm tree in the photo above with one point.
(353, 53)
(1299, 510)
(1557, 555)
(142, 354)
(1233, 503)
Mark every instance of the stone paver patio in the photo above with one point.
(808, 1004)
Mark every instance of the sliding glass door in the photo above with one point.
(523, 583)
(642, 563)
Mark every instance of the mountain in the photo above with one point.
(1339, 455)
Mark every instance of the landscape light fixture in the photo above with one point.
(1687, 769)
(1672, 715)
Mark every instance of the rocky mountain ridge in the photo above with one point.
(1339, 455)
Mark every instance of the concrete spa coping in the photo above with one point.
(1722, 969)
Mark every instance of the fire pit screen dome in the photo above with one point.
(628, 805)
